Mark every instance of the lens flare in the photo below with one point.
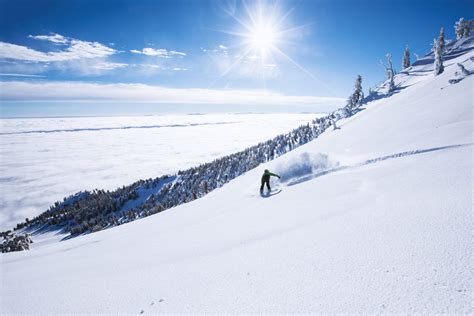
(264, 31)
(262, 38)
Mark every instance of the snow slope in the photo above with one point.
(46, 159)
(374, 217)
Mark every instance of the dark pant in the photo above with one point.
(267, 182)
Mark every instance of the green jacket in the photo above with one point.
(267, 174)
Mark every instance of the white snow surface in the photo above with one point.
(374, 217)
(45, 159)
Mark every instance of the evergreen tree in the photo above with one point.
(468, 28)
(441, 39)
(459, 28)
(390, 73)
(406, 58)
(358, 94)
(438, 60)
(356, 98)
(463, 28)
(361, 98)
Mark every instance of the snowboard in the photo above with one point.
(267, 194)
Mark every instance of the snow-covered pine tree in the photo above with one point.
(347, 110)
(441, 39)
(459, 28)
(468, 26)
(358, 94)
(349, 104)
(361, 98)
(438, 60)
(390, 73)
(463, 28)
(406, 58)
(356, 98)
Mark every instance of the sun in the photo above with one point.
(263, 38)
(264, 31)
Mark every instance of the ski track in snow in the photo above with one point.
(299, 180)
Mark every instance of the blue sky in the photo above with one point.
(141, 57)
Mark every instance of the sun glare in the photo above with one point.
(263, 38)
(264, 31)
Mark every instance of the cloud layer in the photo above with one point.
(121, 92)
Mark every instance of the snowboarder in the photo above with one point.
(266, 180)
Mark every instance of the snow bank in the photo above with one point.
(304, 164)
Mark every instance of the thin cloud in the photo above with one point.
(95, 92)
(154, 66)
(75, 49)
(109, 65)
(55, 38)
(161, 52)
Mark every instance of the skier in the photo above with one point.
(266, 180)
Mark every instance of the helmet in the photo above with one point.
(266, 170)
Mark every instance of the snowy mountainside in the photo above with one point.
(89, 212)
(372, 217)
(47, 159)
